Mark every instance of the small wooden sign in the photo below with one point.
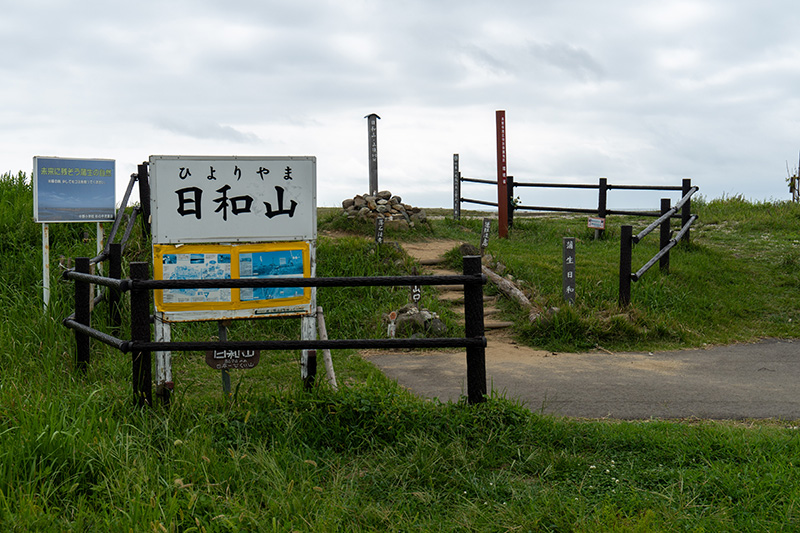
(416, 290)
(416, 294)
(596, 223)
(380, 224)
(569, 270)
(232, 359)
(487, 226)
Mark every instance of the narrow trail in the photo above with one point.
(743, 381)
(430, 255)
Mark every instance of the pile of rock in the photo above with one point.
(382, 204)
(410, 321)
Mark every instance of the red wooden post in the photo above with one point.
(502, 175)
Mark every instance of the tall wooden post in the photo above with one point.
(456, 189)
(372, 135)
(502, 175)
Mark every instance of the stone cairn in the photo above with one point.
(411, 321)
(382, 204)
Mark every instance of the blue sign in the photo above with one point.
(73, 190)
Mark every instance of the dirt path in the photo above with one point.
(727, 382)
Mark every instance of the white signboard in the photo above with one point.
(201, 199)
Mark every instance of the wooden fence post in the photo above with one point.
(686, 210)
(664, 236)
(625, 259)
(144, 195)
(114, 294)
(140, 331)
(474, 328)
(602, 205)
(83, 314)
(511, 202)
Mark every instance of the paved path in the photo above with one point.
(760, 380)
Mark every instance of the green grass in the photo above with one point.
(75, 455)
(734, 282)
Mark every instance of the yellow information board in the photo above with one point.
(232, 261)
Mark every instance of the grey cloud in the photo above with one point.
(573, 59)
(208, 130)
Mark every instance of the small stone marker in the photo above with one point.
(232, 359)
(487, 226)
(569, 270)
(392, 329)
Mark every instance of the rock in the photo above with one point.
(436, 327)
(409, 324)
(468, 249)
(382, 204)
(417, 323)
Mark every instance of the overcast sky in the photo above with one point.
(644, 92)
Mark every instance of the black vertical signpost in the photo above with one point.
(569, 270)
(487, 226)
(380, 224)
(456, 189)
(372, 134)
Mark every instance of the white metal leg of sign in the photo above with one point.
(101, 237)
(222, 328)
(46, 265)
(308, 332)
(326, 354)
(163, 333)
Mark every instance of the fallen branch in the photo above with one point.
(509, 289)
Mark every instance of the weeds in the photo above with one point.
(76, 455)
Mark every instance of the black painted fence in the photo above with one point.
(666, 243)
(602, 187)
(141, 345)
